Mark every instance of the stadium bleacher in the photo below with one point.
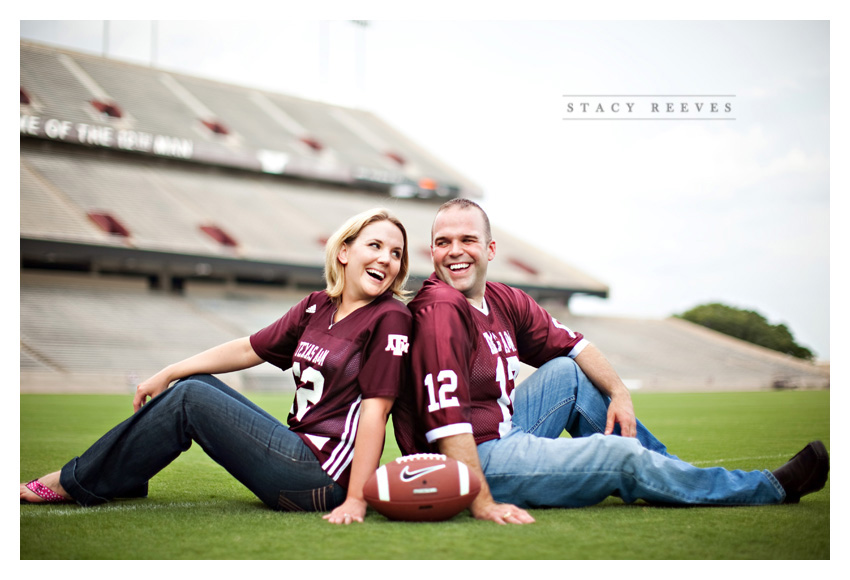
(161, 214)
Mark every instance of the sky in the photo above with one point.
(670, 210)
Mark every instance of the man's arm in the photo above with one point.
(541, 338)
(605, 378)
(462, 448)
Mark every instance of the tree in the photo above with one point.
(746, 325)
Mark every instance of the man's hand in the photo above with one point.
(462, 448)
(621, 411)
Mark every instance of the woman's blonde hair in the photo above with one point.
(346, 234)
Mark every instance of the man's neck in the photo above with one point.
(479, 304)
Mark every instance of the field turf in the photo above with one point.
(225, 521)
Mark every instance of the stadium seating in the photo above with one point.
(103, 333)
(676, 355)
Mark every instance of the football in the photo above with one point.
(421, 488)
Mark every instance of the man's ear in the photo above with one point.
(491, 250)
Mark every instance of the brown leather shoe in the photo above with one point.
(805, 473)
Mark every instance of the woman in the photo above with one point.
(347, 347)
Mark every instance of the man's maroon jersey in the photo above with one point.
(465, 361)
(335, 366)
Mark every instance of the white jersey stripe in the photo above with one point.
(345, 441)
(348, 457)
(448, 431)
(579, 346)
(343, 452)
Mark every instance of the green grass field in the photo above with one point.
(735, 430)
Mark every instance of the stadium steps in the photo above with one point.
(146, 102)
(127, 192)
(84, 333)
(266, 225)
(53, 87)
(47, 213)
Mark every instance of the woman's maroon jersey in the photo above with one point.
(336, 366)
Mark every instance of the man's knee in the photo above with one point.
(561, 364)
(624, 453)
(560, 372)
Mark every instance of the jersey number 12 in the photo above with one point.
(442, 398)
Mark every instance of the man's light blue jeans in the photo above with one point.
(253, 446)
(533, 466)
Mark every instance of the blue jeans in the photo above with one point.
(533, 466)
(253, 446)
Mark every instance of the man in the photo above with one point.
(469, 338)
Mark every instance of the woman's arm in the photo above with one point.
(371, 431)
(235, 355)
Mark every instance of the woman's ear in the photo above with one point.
(342, 256)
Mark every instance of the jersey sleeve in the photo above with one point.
(541, 337)
(277, 342)
(386, 357)
(442, 347)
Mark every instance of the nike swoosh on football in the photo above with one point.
(408, 475)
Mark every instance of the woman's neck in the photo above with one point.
(346, 307)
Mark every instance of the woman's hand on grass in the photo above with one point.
(351, 510)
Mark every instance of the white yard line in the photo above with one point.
(734, 459)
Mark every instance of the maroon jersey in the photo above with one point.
(465, 361)
(335, 366)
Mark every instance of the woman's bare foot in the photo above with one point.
(51, 482)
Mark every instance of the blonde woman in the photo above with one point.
(347, 348)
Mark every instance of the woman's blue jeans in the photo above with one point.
(253, 446)
(533, 466)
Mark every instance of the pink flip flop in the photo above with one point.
(44, 492)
